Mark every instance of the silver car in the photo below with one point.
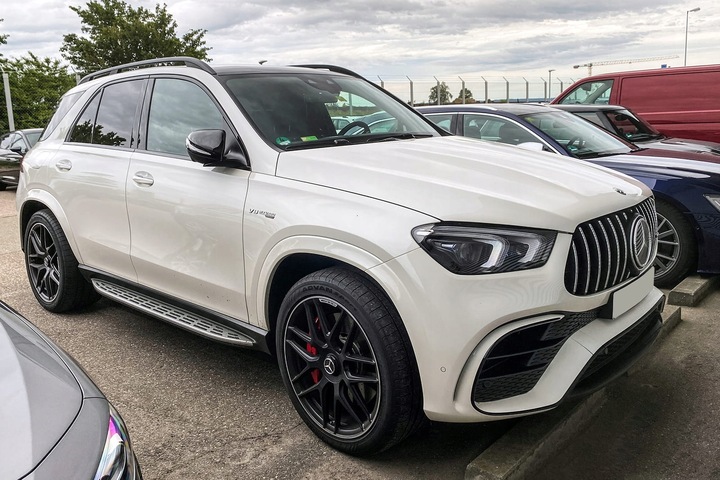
(56, 423)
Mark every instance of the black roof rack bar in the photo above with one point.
(332, 68)
(188, 61)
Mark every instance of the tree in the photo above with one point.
(445, 95)
(465, 93)
(3, 38)
(116, 33)
(36, 85)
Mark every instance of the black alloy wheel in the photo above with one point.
(356, 388)
(332, 367)
(52, 268)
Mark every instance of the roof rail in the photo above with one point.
(188, 61)
(332, 68)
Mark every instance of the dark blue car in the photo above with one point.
(686, 184)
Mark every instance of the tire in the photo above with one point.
(345, 360)
(52, 268)
(677, 246)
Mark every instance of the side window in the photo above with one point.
(116, 114)
(83, 129)
(18, 142)
(482, 126)
(65, 105)
(109, 117)
(177, 108)
(442, 120)
(5, 141)
(473, 126)
(597, 92)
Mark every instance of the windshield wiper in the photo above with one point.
(396, 136)
(323, 142)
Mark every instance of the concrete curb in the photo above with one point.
(536, 438)
(692, 290)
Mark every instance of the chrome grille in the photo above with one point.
(599, 256)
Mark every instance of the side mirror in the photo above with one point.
(532, 146)
(208, 147)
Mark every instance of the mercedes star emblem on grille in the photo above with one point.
(641, 238)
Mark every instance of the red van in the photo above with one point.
(679, 102)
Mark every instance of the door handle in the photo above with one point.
(143, 179)
(63, 165)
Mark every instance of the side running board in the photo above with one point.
(177, 316)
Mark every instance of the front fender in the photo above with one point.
(261, 278)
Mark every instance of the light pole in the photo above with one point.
(549, 84)
(687, 20)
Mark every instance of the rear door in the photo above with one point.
(88, 174)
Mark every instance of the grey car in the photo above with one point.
(13, 147)
(54, 422)
(626, 124)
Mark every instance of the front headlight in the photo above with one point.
(476, 250)
(714, 200)
(118, 460)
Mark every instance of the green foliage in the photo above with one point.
(115, 33)
(445, 95)
(36, 86)
(465, 93)
(3, 38)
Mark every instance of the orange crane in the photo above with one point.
(617, 62)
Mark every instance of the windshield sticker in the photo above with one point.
(282, 141)
(308, 138)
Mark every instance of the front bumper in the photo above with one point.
(455, 321)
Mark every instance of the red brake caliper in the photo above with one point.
(315, 374)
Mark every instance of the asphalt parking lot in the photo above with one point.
(198, 409)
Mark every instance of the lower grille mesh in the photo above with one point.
(516, 362)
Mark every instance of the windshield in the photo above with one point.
(578, 137)
(597, 92)
(630, 127)
(308, 110)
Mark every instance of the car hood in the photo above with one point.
(461, 179)
(39, 397)
(682, 144)
(664, 162)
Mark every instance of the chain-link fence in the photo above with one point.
(29, 103)
(29, 100)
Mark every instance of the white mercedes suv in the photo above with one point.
(397, 273)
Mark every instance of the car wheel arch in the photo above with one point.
(43, 201)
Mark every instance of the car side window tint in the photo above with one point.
(179, 107)
(109, 117)
(82, 131)
(116, 114)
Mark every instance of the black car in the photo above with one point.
(13, 147)
(626, 124)
(686, 184)
(54, 422)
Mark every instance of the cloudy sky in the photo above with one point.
(391, 39)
